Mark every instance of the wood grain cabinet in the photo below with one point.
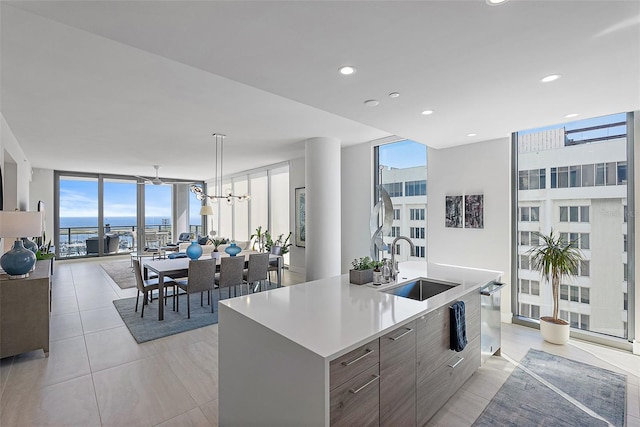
(24, 312)
(398, 377)
(354, 379)
(441, 371)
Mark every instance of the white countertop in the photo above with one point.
(332, 316)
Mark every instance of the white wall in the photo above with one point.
(20, 186)
(357, 193)
(41, 188)
(16, 176)
(480, 168)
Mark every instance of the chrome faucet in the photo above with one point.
(394, 265)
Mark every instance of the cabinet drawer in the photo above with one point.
(398, 377)
(434, 336)
(351, 364)
(434, 391)
(356, 402)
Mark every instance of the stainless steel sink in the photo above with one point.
(420, 289)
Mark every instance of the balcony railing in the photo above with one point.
(73, 240)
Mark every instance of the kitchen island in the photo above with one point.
(294, 355)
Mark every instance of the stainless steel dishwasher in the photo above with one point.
(490, 320)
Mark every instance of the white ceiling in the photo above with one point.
(116, 86)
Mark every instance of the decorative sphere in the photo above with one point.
(194, 250)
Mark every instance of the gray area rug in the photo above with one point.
(523, 401)
(150, 328)
(121, 273)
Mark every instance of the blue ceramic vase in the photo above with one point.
(18, 261)
(233, 249)
(29, 244)
(194, 250)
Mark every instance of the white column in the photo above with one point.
(323, 220)
(180, 223)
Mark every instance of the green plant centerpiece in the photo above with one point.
(362, 271)
(555, 259)
(217, 242)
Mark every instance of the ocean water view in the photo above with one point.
(116, 221)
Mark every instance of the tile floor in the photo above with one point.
(97, 374)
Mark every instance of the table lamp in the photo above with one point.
(18, 261)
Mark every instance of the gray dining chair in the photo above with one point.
(273, 265)
(257, 270)
(146, 287)
(231, 270)
(199, 279)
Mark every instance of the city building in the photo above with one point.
(562, 188)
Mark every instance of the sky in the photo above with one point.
(79, 198)
(403, 154)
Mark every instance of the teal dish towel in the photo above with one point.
(458, 326)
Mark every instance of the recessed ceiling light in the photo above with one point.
(568, 116)
(550, 78)
(427, 112)
(394, 95)
(496, 2)
(371, 103)
(347, 70)
(471, 134)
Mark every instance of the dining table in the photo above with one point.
(179, 267)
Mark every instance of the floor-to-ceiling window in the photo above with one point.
(402, 172)
(120, 217)
(97, 214)
(78, 216)
(573, 178)
(267, 208)
(157, 215)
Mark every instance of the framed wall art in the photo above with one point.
(474, 211)
(300, 232)
(453, 211)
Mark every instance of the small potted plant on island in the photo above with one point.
(217, 242)
(555, 259)
(362, 271)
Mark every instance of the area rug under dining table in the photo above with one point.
(549, 390)
(149, 328)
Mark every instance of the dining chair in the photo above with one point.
(257, 270)
(231, 270)
(147, 286)
(199, 279)
(273, 265)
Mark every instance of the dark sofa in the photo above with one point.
(111, 242)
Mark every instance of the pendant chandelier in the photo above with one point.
(218, 193)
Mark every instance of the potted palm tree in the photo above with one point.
(556, 260)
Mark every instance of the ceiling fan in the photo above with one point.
(157, 180)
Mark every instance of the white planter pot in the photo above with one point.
(215, 255)
(554, 333)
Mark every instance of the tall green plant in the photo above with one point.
(259, 236)
(555, 259)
